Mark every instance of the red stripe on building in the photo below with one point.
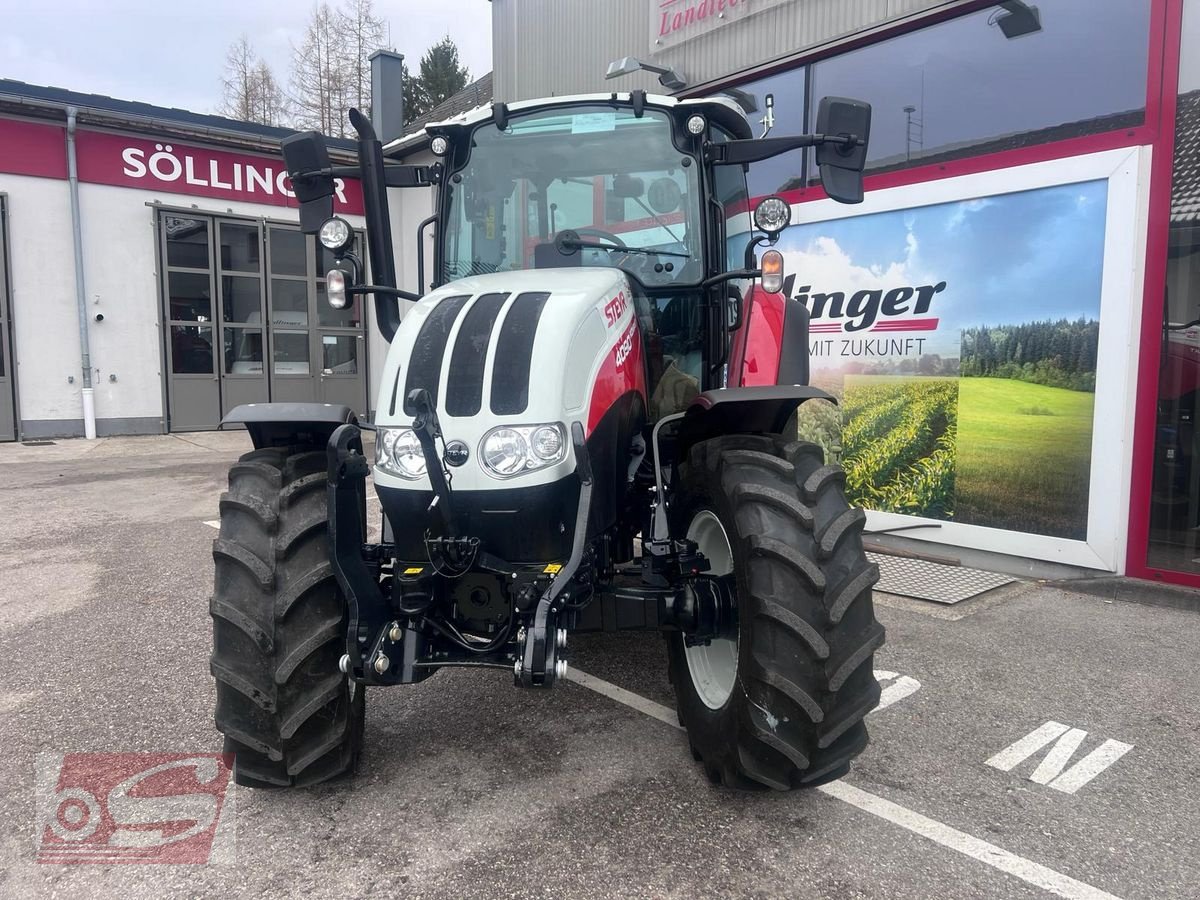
(30, 148)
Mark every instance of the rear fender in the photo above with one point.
(741, 410)
(287, 424)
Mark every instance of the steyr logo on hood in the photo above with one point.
(457, 453)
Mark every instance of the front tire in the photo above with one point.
(289, 715)
(780, 704)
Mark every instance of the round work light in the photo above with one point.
(335, 234)
(772, 215)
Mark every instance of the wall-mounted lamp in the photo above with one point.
(668, 78)
(1017, 18)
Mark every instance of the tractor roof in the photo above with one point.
(722, 110)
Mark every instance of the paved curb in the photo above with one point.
(1132, 590)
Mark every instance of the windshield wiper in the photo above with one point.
(568, 242)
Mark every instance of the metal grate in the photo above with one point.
(926, 580)
(37, 443)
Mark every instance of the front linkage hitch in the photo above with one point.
(386, 642)
(390, 638)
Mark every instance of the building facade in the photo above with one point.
(163, 247)
(1011, 320)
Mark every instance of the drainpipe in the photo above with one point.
(85, 353)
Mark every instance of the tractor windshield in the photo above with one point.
(617, 180)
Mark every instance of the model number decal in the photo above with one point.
(614, 309)
(625, 347)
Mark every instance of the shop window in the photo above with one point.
(965, 87)
(291, 352)
(187, 241)
(339, 354)
(242, 298)
(243, 351)
(289, 252)
(190, 297)
(191, 349)
(289, 302)
(240, 248)
(1175, 496)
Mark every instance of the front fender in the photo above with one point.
(287, 424)
(742, 410)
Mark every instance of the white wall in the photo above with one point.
(44, 320)
(121, 279)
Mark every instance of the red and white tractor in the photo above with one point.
(561, 444)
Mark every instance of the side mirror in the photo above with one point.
(842, 162)
(307, 160)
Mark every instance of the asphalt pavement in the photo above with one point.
(1036, 742)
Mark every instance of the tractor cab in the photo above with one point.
(589, 182)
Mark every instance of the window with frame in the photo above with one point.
(976, 84)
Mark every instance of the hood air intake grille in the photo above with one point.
(464, 387)
(514, 354)
(425, 364)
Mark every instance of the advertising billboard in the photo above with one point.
(961, 327)
(953, 375)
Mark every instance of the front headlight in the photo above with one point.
(398, 451)
(515, 449)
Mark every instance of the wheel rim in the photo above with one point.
(713, 667)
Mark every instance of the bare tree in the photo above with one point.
(320, 89)
(364, 32)
(249, 89)
(270, 104)
(238, 82)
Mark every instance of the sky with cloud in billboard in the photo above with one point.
(1006, 259)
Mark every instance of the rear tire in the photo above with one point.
(793, 712)
(289, 715)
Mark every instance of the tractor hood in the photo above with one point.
(520, 348)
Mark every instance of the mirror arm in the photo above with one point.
(741, 152)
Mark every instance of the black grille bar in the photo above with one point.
(514, 354)
(464, 387)
(425, 364)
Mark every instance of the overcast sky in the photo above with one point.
(171, 52)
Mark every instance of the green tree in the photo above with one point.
(414, 96)
(441, 74)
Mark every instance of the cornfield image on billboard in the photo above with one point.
(899, 441)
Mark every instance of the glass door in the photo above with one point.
(240, 280)
(193, 385)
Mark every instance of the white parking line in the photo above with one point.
(899, 687)
(951, 838)
(213, 523)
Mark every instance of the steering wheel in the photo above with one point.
(600, 233)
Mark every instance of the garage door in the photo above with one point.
(247, 321)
